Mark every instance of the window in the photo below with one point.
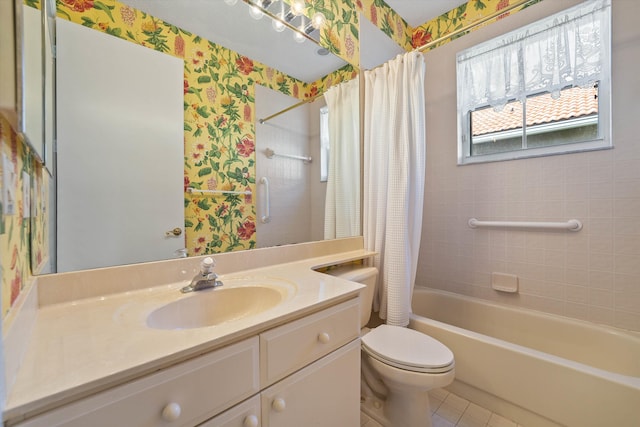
(324, 144)
(540, 90)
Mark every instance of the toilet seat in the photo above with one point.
(407, 349)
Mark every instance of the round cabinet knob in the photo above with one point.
(250, 421)
(279, 404)
(324, 337)
(171, 412)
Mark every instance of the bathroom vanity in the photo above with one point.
(297, 362)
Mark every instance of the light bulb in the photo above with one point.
(255, 12)
(297, 7)
(277, 25)
(277, 22)
(298, 37)
(318, 20)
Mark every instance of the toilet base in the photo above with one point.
(406, 401)
(411, 409)
(374, 409)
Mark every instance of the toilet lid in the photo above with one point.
(407, 349)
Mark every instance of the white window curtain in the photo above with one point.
(569, 48)
(394, 169)
(342, 203)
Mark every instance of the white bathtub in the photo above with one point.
(537, 368)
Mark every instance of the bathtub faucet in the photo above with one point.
(206, 279)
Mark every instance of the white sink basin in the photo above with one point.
(212, 307)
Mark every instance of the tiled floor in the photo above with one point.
(449, 410)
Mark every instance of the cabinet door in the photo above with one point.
(120, 150)
(325, 393)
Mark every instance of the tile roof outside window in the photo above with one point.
(573, 103)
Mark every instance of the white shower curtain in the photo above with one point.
(394, 169)
(342, 204)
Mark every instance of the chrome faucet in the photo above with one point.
(205, 279)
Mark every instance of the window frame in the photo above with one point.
(602, 142)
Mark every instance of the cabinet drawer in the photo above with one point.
(182, 395)
(245, 414)
(288, 348)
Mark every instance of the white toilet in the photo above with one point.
(399, 365)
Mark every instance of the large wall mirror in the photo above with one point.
(230, 210)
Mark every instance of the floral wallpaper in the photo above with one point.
(409, 38)
(39, 251)
(457, 18)
(15, 245)
(388, 20)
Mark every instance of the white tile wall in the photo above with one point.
(294, 194)
(593, 274)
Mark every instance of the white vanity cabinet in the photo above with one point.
(303, 373)
(325, 393)
(324, 352)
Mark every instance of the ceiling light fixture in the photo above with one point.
(258, 7)
(281, 20)
(231, 2)
(297, 7)
(298, 36)
(288, 17)
(309, 28)
(255, 12)
(318, 20)
(278, 24)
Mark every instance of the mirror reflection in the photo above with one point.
(114, 122)
(48, 43)
(30, 71)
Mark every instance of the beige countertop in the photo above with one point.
(84, 346)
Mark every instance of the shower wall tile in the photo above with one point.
(593, 274)
(290, 180)
(576, 295)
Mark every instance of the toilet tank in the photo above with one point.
(366, 276)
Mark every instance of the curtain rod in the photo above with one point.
(475, 24)
(306, 101)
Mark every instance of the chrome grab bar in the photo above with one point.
(571, 225)
(267, 209)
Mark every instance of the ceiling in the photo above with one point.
(232, 27)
